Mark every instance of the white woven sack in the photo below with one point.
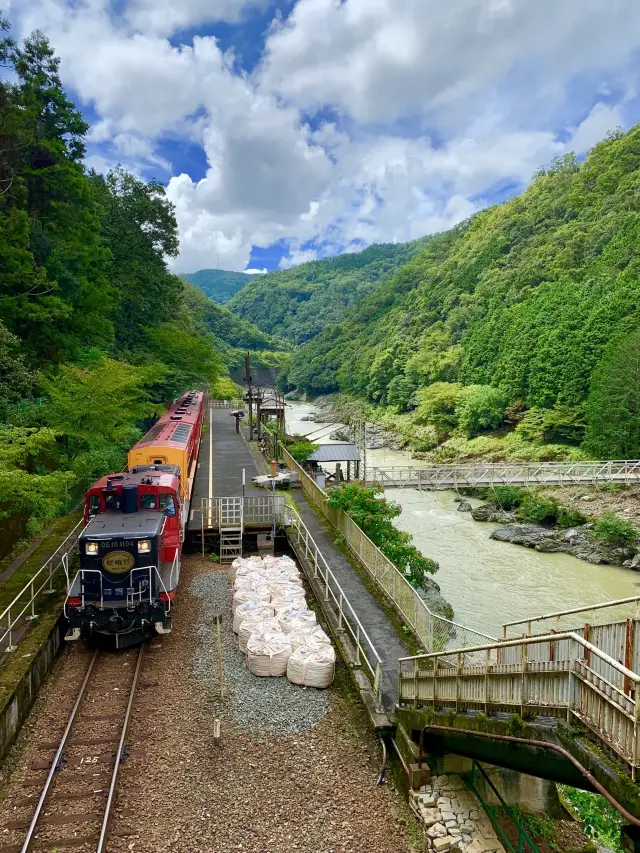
(285, 589)
(242, 565)
(312, 636)
(259, 593)
(277, 562)
(252, 625)
(294, 620)
(283, 575)
(248, 580)
(312, 667)
(268, 653)
(251, 607)
(285, 605)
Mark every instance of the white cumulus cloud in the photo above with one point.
(364, 121)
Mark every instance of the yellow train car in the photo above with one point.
(173, 440)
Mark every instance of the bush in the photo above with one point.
(482, 408)
(538, 509)
(302, 450)
(615, 530)
(567, 517)
(507, 497)
(374, 515)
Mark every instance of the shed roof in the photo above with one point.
(345, 452)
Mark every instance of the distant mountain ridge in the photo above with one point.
(296, 304)
(219, 285)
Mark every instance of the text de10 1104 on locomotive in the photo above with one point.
(131, 547)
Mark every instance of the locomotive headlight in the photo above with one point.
(144, 546)
(91, 548)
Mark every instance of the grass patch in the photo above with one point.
(18, 580)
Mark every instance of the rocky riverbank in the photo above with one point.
(577, 541)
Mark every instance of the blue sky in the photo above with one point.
(290, 130)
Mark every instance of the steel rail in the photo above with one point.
(119, 752)
(54, 764)
(543, 744)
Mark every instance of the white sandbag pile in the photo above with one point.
(268, 653)
(312, 667)
(273, 622)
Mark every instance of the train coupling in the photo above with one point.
(163, 627)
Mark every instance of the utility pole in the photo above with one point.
(247, 365)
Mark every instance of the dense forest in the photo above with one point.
(296, 304)
(514, 334)
(95, 333)
(219, 285)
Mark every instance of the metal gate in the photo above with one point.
(231, 514)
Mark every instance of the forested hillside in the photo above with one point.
(523, 319)
(95, 333)
(219, 285)
(296, 304)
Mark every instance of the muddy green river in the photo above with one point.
(486, 582)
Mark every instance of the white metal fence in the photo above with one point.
(602, 613)
(506, 473)
(335, 597)
(557, 673)
(434, 631)
(256, 510)
(24, 606)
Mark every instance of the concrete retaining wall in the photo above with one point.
(16, 709)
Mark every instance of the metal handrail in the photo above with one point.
(586, 691)
(34, 593)
(343, 522)
(347, 617)
(149, 569)
(505, 472)
(634, 599)
(529, 641)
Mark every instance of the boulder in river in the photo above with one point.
(341, 434)
(464, 506)
(489, 512)
(575, 541)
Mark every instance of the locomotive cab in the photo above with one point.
(129, 557)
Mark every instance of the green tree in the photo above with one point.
(374, 515)
(613, 408)
(482, 408)
(439, 404)
(139, 228)
(95, 411)
(16, 380)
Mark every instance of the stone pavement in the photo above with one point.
(454, 817)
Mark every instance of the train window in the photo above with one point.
(94, 505)
(112, 502)
(147, 501)
(167, 504)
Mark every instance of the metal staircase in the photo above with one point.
(231, 526)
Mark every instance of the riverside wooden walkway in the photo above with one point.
(506, 474)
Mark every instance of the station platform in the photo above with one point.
(223, 456)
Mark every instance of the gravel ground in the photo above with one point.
(263, 705)
(259, 791)
(295, 771)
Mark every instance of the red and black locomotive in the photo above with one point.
(131, 547)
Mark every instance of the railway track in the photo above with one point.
(70, 801)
